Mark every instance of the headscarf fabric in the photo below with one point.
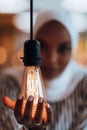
(62, 86)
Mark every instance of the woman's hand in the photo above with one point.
(26, 114)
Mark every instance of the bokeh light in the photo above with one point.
(3, 55)
(16, 59)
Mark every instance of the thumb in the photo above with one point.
(8, 102)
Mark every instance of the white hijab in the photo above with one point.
(61, 87)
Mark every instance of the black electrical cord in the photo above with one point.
(32, 55)
(31, 19)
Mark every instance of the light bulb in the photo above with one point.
(32, 81)
(33, 86)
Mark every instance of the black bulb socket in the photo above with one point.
(32, 56)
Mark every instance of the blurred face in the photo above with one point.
(55, 49)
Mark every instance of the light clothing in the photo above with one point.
(9, 86)
(61, 87)
(67, 93)
(71, 113)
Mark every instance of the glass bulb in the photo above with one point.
(33, 85)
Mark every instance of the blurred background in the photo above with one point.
(15, 27)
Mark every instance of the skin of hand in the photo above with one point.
(23, 112)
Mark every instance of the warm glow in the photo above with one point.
(34, 81)
(44, 114)
(33, 84)
(3, 55)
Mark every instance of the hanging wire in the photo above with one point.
(31, 19)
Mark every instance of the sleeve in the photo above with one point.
(82, 119)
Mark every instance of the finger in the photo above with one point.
(49, 113)
(18, 109)
(39, 111)
(28, 111)
(8, 102)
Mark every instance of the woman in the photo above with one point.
(65, 81)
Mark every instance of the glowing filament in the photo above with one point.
(33, 86)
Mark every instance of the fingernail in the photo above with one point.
(20, 97)
(30, 98)
(48, 105)
(40, 100)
